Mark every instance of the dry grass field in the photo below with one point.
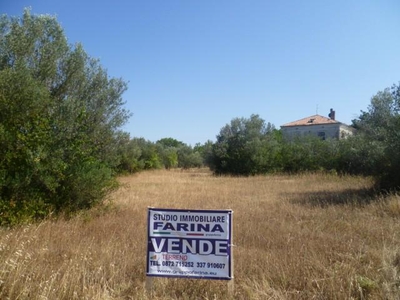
(311, 236)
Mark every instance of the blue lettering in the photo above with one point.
(217, 227)
(188, 227)
(156, 225)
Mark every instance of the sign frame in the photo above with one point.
(173, 231)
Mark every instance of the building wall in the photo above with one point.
(324, 131)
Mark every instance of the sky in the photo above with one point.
(192, 66)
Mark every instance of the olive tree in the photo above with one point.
(379, 128)
(60, 115)
(240, 147)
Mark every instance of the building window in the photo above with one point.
(321, 135)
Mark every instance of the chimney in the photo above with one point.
(332, 114)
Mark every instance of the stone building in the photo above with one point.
(323, 127)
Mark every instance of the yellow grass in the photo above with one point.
(296, 237)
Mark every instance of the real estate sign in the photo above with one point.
(189, 243)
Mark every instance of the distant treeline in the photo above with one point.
(250, 146)
(61, 146)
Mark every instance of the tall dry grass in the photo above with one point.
(296, 237)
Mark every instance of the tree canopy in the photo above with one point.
(380, 127)
(60, 116)
(240, 145)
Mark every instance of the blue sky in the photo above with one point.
(193, 66)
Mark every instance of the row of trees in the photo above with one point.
(251, 146)
(138, 154)
(61, 146)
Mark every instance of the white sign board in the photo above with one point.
(189, 243)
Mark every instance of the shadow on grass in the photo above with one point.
(330, 198)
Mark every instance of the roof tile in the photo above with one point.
(312, 120)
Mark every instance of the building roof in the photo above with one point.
(312, 120)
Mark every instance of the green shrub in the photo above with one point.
(59, 120)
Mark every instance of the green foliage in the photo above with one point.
(145, 155)
(85, 185)
(379, 129)
(252, 146)
(241, 145)
(247, 146)
(25, 177)
(168, 150)
(170, 158)
(366, 285)
(360, 156)
(138, 154)
(205, 151)
(309, 154)
(129, 154)
(59, 120)
(170, 143)
(187, 158)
